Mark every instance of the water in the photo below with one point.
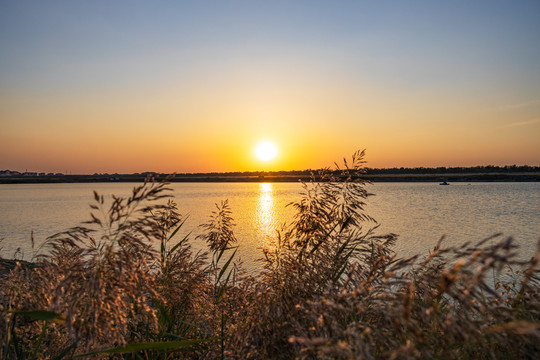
(420, 213)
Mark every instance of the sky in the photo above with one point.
(193, 86)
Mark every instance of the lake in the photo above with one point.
(420, 213)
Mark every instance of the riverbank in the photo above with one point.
(7, 265)
(272, 177)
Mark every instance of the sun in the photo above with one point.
(266, 151)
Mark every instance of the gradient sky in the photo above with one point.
(193, 86)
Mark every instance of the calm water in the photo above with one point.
(420, 213)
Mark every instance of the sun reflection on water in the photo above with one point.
(266, 218)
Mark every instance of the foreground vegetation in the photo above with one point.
(125, 285)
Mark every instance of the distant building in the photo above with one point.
(9, 173)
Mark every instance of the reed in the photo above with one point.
(124, 285)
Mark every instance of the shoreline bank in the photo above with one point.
(269, 177)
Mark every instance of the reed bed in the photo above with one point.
(124, 285)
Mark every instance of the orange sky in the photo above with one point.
(193, 88)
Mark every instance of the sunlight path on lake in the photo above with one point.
(266, 220)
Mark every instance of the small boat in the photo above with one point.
(444, 183)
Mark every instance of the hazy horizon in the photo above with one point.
(193, 87)
(68, 172)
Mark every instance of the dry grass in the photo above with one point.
(330, 287)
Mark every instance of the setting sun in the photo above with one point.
(266, 151)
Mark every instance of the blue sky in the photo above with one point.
(451, 82)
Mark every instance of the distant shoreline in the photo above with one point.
(270, 177)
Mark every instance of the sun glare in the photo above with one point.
(266, 151)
